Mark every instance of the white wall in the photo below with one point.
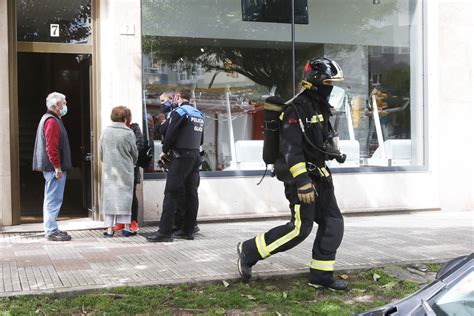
(241, 197)
(120, 58)
(5, 173)
(455, 101)
(225, 198)
(120, 61)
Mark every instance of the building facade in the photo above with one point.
(403, 113)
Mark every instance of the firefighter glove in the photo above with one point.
(306, 193)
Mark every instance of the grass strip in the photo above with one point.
(369, 289)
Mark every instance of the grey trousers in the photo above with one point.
(111, 220)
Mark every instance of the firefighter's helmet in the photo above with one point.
(320, 71)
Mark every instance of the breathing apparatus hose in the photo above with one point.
(339, 158)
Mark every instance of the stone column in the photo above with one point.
(5, 172)
(120, 63)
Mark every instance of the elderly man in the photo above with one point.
(52, 156)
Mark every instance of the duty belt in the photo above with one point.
(178, 152)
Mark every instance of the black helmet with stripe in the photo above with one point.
(321, 70)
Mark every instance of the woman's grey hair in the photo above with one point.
(53, 98)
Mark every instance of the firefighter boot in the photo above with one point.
(245, 268)
(318, 278)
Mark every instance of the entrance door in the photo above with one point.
(38, 75)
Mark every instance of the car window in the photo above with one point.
(457, 299)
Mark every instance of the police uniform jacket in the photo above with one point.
(183, 129)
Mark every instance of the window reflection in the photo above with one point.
(36, 20)
(374, 44)
(232, 65)
(230, 83)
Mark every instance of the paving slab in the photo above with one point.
(29, 264)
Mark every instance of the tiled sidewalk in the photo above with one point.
(30, 265)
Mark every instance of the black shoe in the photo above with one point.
(333, 284)
(182, 235)
(319, 278)
(196, 229)
(58, 237)
(187, 237)
(60, 232)
(245, 269)
(158, 237)
(179, 233)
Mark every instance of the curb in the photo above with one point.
(69, 292)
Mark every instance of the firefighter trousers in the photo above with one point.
(325, 212)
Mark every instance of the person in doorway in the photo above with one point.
(52, 156)
(183, 135)
(134, 227)
(119, 154)
(305, 138)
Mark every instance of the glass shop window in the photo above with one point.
(378, 45)
(232, 63)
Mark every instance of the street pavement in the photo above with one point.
(29, 264)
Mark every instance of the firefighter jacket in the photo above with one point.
(183, 129)
(298, 158)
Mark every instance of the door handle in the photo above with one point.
(88, 157)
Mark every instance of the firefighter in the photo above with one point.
(306, 142)
(181, 151)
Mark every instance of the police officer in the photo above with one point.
(168, 101)
(182, 138)
(306, 143)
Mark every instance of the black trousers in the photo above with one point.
(325, 212)
(181, 191)
(179, 219)
(134, 203)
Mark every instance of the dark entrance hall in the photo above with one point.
(38, 75)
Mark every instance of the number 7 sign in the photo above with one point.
(54, 30)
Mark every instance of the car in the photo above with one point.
(451, 293)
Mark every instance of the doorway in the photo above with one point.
(38, 75)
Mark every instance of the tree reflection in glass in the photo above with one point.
(34, 18)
